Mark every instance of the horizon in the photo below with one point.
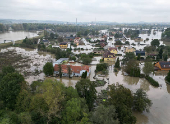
(131, 11)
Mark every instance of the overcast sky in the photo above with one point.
(87, 10)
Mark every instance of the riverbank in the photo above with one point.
(5, 45)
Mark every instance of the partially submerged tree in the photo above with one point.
(155, 42)
(117, 64)
(69, 71)
(148, 68)
(60, 70)
(140, 101)
(48, 69)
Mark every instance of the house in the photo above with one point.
(61, 61)
(108, 56)
(45, 41)
(162, 65)
(96, 51)
(77, 40)
(69, 38)
(76, 71)
(129, 49)
(113, 50)
(63, 45)
(142, 53)
(103, 44)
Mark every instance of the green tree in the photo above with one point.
(155, 42)
(117, 64)
(25, 118)
(86, 60)
(84, 75)
(140, 101)
(167, 78)
(69, 71)
(52, 35)
(160, 53)
(51, 90)
(128, 56)
(148, 68)
(86, 89)
(23, 101)
(70, 93)
(60, 70)
(10, 86)
(73, 111)
(130, 65)
(122, 99)
(105, 115)
(48, 69)
(138, 58)
(8, 69)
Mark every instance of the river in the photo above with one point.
(16, 35)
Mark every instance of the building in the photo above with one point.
(142, 53)
(113, 50)
(61, 61)
(103, 44)
(108, 56)
(77, 40)
(96, 51)
(162, 66)
(63, 45)
(45, 41)
(76, 71)
(129, 49)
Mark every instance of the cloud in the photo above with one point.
(68, 10)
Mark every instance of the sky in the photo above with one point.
(87, 10)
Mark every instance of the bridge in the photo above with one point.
(11, 41)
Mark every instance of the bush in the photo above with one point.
(115, 70)
(152, 81)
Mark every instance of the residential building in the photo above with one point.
(129, 49)
(142, 53)
(113, 50)
(108, 56)
(162, 65)
(63, 45)
(45, 41)
(61, 61)
(77, 40)
(76, 71)
(97, 51)
(103, 44)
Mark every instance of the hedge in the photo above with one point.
(152, 81)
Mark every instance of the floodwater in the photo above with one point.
(16, 35)
(160, 110)
(32, 64)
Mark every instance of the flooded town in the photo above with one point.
(84, 62)
(29, 62)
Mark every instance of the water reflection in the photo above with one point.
(141, 118)
(144, 85)
(131, 80)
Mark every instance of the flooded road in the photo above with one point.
(16, 35)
